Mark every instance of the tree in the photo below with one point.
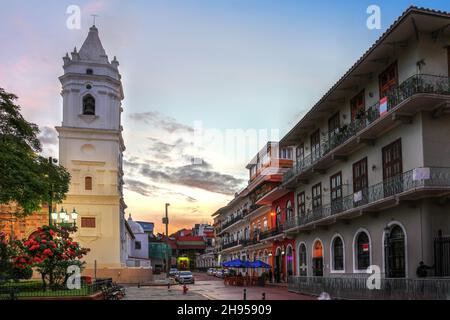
(51, 251)
(26, 178)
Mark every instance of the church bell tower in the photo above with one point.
(91, 147)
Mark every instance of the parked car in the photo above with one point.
(210, 271)
(173, 272)
(185, 277)
(220, 273)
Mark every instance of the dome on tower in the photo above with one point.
(135, 227)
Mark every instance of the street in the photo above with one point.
(211, 288)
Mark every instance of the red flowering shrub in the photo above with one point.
(51, 250)
(12, 266)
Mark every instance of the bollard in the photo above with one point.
(264, 296)
(245, 294)
(139, 284)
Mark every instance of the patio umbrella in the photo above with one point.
(237, 263)
(260, 264)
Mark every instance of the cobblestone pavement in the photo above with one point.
(211, 288)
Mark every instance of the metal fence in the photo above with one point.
(355, 287)
(419, 177)
(36, 289)
(420, 83)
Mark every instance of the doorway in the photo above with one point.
(394, 244)
(277, 265)
(318, 259)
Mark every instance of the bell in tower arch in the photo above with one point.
(89, 105)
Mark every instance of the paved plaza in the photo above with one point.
(211, 288)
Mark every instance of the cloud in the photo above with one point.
(150, 190)
(201, 176)
(158, 120)
(48, 136)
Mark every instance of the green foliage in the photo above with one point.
(8, 270)
(25, 177)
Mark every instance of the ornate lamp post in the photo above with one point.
(64, 219)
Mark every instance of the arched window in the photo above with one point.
(278, 217)
(302, 259)
(88, 105)
(362, 251)
(88, 183)
(289, 211)
(338, 254)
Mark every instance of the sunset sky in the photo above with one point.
(224, 65)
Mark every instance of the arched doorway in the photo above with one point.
(303, 267)
(317, 259)
(289, 261)
(394, 252)
(278, 265)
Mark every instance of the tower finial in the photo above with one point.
(94, 16)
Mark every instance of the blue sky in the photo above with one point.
(230, 64)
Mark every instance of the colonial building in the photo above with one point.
(244, 227)
(91, 147)
(371, 179)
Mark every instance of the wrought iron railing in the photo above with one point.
(231, 244)
(270, 233)
(36, 289)
(421, 83)
(419, 177)
(356, 287)
(229, 223)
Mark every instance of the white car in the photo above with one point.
(185, 277)
(210, 271)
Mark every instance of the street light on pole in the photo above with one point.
(51, 161)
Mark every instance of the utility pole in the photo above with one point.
(165, 221)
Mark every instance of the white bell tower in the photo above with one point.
(91, 147)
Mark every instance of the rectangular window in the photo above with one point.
(87, 222)
(300, 152)
(301, 204)
(333, 125)
(357, 104)
(88, 183)
(137, 245)
(336, 192)
(392, 168)
(315, 145)
(360, 182)
(317, 196)
(388, 79)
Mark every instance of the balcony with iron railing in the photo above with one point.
(413, 184)
(419, 92)
(271, 233)
(355, 286)
(231, 244)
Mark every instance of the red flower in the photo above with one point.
(44, 241)
(48, 252)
